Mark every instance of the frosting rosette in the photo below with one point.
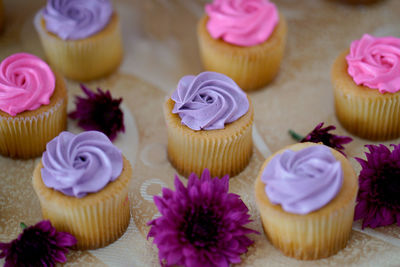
(303, 181)
(76, 19)
(375, 62)
(26, 83)
(242, 22)
(208, 101)
(80, 164)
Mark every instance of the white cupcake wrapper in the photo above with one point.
(26, 137)
(191, 151)
(371, 118)
(95, 220)
(93, 226)
(313, 237)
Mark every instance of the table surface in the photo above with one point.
(160, 47)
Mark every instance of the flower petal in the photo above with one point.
(201, 224)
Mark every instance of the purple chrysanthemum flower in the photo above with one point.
(201, 224)
(99, 112)
(378, 199)
(320, 134)
(38, 245)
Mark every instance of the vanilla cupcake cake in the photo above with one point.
(209, 124)
(82, 184)
(33, 103)
(306, 197)
(81, 39)
(243, 39)
(366, 87)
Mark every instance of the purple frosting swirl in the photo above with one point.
(80, 164)
(76, 19)
(303, 181)
(208, 101)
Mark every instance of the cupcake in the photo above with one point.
(33, 102)
(81, 39)
(209, 123)
(306, 197)
(242, 39)
(82, 183)
(366, 87)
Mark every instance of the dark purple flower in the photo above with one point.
(201, 224)
(378, 199)
(99, 112)
(38, 245)
(320, 134)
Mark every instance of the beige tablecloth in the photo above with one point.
(160, 47)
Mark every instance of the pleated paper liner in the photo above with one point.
(363, 111)
(97, 219)
(26, 134)
(225, 151)
(84, 59)
(316, 235)
(250, 67)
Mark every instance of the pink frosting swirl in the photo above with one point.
(242, 22)
(375, 62)
(26, 83)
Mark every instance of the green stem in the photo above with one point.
(295, 136)
(23, 225)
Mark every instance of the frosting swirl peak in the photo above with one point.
(208, 101)
(26, 83)
(76, 19)
(242, 22)
(80, 164)
(375, 62)
(303, 181)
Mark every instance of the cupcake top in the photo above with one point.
(26, 83)
(76, 19)
(242, 22)
(80, 164)
(209, 101)
(375, 62)
(303, 181)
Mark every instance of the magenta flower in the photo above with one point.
(99, 112)
(201, 224)
(38, 245)
(378, 199)
(320, 134)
